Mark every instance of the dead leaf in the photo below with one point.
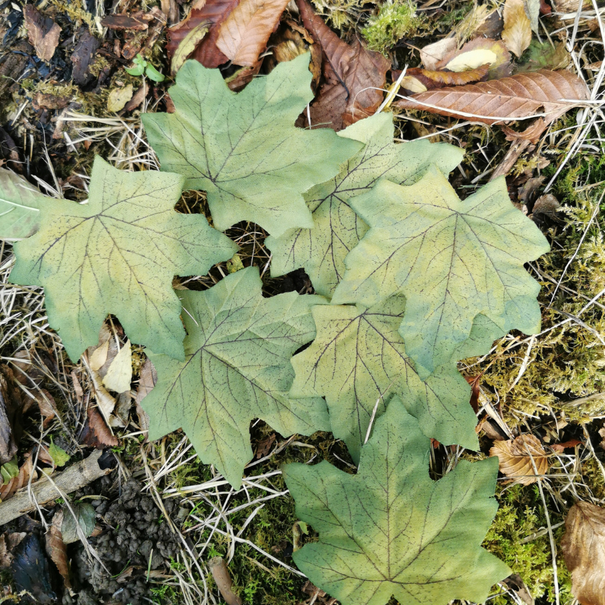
(171, 10)
(561, 447)
(583, 547)
(432, 54)
(188, 45)
(11, 405)
(243, 76)
(26, 470)
(517, 27)
(56, 549)
(147, 379)
(119, 373)
(96, 433)
(475, 383)
(354, 77)
(136, 22)
(43, 33)
(478, 52)
(264, 446)
(243, 35)
(118, 97)
(551, 93)
(515, 583)
(83, 56)
(516, 458)
(419, 80)
(545, 206)
(8, 543)
(138, 98)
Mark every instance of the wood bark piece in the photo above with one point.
(42, 32)
(66, 482)
(221, 576)
(583, 548)
(550, 93)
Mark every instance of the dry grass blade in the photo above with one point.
(583, 548)
(516, 97)
(516, 459)
(243, 35)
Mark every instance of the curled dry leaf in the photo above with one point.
(432, 54)
(56, 549)
(420, 80)
(10, 407)
(26, 470)
(548, 93)
(8, 543)
(522, 459)
(583, 548)
(517, 27)
(477, 52)
(243, 35)
(96, 433)
(42, 32)
(354, 77)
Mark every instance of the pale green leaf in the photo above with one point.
(237, 368)
(59, 455)
(118, 254)
(20, 204)
(85, 517)
(390, 529)
(453, 259)
(358, 361)
(243, 149)
(337, 229)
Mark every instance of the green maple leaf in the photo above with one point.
(453, 259)
(337, 229)
(359, 359)
(118, 254)
(237, 368)
(390, 529)
(243, 149)
(20, 204)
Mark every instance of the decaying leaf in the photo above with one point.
(546, 93)
(20, 204)
(83, 524)
(10, 408)
(56, 549)
(354, 76)
(337, 229)
(243, 35)
(118, 254)
(452, 259)
(390, 529)
(477, 52)
(432, 54)
(517, 27)
(118, 98)
(583, 547)
(237, 368)
(522, 459)
(419, 80)
(96, 432)
(243, 149)
(42, 32)
(8, 544)
(119, 372)
(26, 470)
(545, 55)
(358, 362)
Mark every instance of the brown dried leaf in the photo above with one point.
(43, 33)
(56, 549)
(243, 35)
(432, 54)
(243, 76)
(516, 458)
(354, 77)
(517, 27)
(432, 80)
(147, 379)
(8, 543)
(479, 52)
(136, 22)
(583, 548)
(523, 95)
(11, 405)
(96, 433)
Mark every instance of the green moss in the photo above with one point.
(394, 21)
(518, 537)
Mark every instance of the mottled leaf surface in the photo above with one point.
(118, 254)
(453, 259)
(358, 360)
(243, 149)
(20, 204)
(390, 529)
(237, 368)
(337, 229)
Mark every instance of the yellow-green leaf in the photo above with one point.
(237, 368)
(118, 254)
(243, 149)
(390, 529)
(453, 259)
(20, 204)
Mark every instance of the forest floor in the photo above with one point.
(178, 513)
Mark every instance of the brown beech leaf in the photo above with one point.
(431, 80)
(42, 32)
(548, 93)
(243, 35)
(96, 433)
(583, 548)
(210, 14)
(516, 457)
(354, 77)
(56, 549)
(517, 27)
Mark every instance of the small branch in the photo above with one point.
(66, 482)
